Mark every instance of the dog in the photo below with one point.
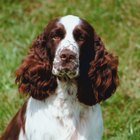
(66, 74)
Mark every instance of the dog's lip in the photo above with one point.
(67, 77)
(65, 72)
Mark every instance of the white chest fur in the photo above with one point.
(62, 117)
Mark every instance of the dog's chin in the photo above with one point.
(65, 74)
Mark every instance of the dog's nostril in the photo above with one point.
(72, 57)
(63, 57)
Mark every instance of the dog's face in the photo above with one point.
(66, 60)
(69, 49)
(67, 38)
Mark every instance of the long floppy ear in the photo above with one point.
(34, 76)
(102, 79)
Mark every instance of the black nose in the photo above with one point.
(67, 55)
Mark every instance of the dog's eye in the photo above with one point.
(81, 38)
(57, 34)
(56, 38)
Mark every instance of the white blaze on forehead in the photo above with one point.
(69, 22)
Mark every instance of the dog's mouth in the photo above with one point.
(66, 70)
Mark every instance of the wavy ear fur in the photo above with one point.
(102, 79)
(34, 75)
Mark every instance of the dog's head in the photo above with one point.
(69, 49)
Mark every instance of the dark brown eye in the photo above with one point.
(57, 34)
(56, 38)
(79, 35)
(81, 38)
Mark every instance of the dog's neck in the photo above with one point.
(66, 89)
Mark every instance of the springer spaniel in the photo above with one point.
(66, 73)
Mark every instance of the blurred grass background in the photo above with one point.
(118, 24)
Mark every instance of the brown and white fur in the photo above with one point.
(66, 73)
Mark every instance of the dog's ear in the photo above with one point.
(100, 77)
(34, 75)
(103, 71)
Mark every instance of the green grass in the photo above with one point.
(118, 24)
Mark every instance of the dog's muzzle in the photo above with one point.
(66, 64)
